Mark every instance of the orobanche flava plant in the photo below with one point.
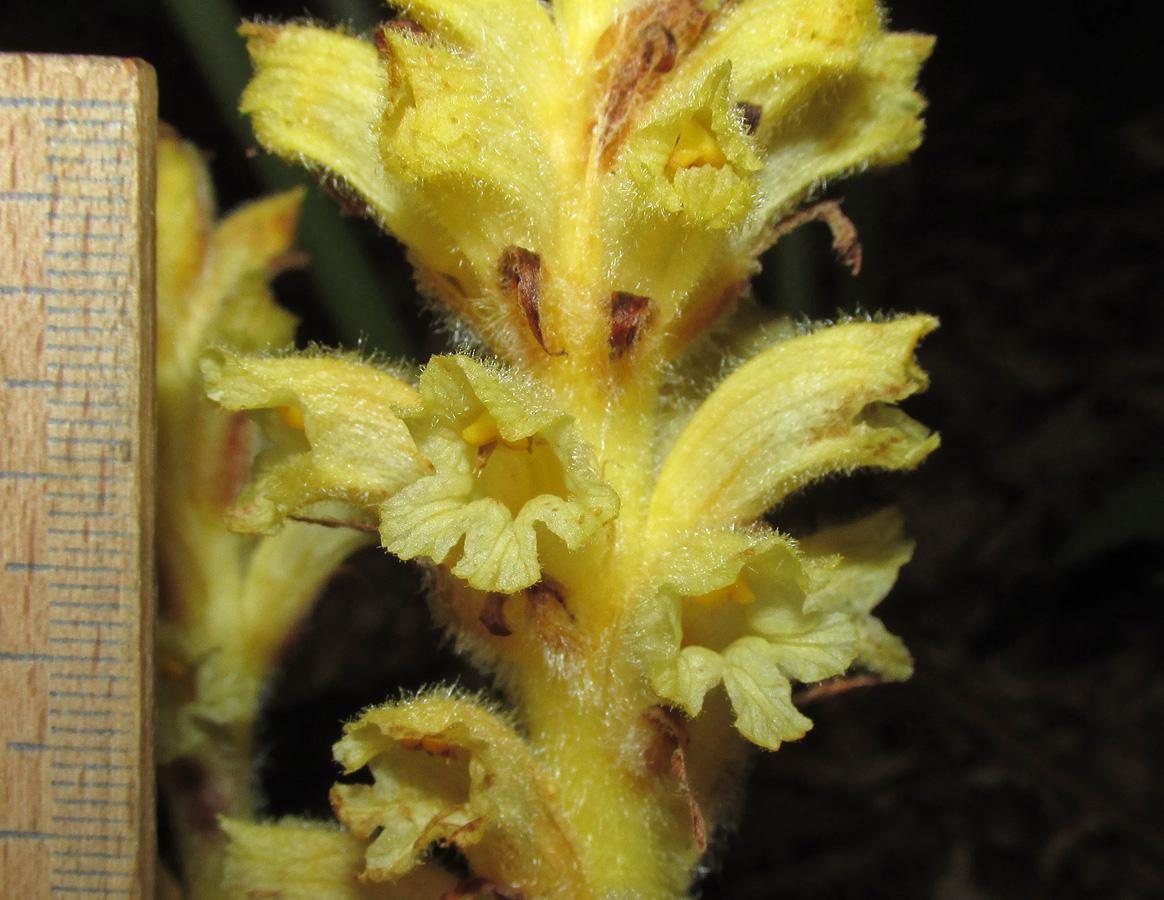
(584, 187)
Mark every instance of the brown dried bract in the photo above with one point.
(350, 202)
(520, 273)
(493, 615)
(551, 620)
(669, 751)
(628, 313)
(366, 527)
(637, 50)
(234, 465)
(845, 241)
(750, 115)
(835, 687)
(547, 590)
(400, 26)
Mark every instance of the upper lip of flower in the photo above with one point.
(809, 406)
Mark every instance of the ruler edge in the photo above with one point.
(141, 78)
(146, 84)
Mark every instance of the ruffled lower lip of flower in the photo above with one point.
(798, 614)
(779, 644)
(506, 462)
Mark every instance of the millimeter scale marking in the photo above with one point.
(77, 138)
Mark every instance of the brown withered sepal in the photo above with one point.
(845, 240)
(629, 313)
(637, 50)
(520, 274)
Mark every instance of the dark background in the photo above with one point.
(1023, 761)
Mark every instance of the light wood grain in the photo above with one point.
(77, 138)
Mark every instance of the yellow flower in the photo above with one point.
(791, 615)
(447, 769)
(473, 459)
(810, 406)
(505, 462)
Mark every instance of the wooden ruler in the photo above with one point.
(77, 138)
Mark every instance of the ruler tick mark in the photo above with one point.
(87, 254)
(98, 641)
(57, 159)
(119, 423)
(32, 747)
(57, 567)
(85, 532)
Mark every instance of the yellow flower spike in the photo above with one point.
(810, 406)
(226, 601)
(298, 860)
(352, 448)
(587, 184)
(505, 461)
(449, 770)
